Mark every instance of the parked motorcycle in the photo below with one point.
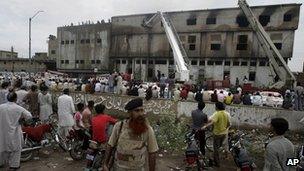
(39, 136)
(96, 152)
(95, 156)
(77, 141)
(240, 155)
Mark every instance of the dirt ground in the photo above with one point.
(57, 160)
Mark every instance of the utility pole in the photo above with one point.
(30, 30)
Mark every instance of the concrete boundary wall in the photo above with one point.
(240, 115)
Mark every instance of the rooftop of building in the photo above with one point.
(214, 9)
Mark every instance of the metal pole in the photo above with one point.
(30, 21)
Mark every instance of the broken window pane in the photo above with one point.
(210, 62)
(252, 76)
(241, 47)
(194, 62)
(278, 45)
(215, 46)
(191, 39)
(236, 63)
(227, 63)
(191, 21)
(192, 47)
(264, 19)
(242, 21)
(211, 21)
(287, 17)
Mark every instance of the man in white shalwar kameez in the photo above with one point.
(66, 109)
(10, 131)
(45, 102)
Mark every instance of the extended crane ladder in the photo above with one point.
(270, 49)
(180, 56)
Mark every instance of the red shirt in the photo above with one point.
(99, 125)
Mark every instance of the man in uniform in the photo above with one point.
(134, 140)
(10, 131)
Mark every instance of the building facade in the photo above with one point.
(218, 42)
(21, 65)
(8, 54)
(83, 48)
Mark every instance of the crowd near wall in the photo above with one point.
(240, 115)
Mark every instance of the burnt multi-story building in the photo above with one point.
(218, 42)
(83, 48)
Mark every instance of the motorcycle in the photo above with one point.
(96, 152)
(39, 136)
(194, 158)
(95, 156)
(240, 155)
(77, 141)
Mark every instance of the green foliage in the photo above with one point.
(170, 132)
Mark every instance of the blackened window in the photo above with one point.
(123, 61)
(117, 61)
(130, 61)
(62, 42)
(194, 62)
(191, 21)
(242, 21)
(92, 61)
(253, 63)
(191, 39)
(171, 62)
(242, 42)
(241, 47)
(150, 72)
(278, 45)
(72, 41)
(62, 61)
(264, 19)
(202, 62)
(160, 62)
(67, 42)
(53, 51)
(98, 61)
(88, 41)
(252, 76)
(82, 61)
(236, 63)
(215, 46)
(242, 39)
(66, 61)
(211, 21)
(210, 62)
(143, 61)
(82, 41)
(227, 63)
(262, 63)
(98, 40)
(77, 61)
(150, 62)
(244, 63)
(218, 62)
(137, 61)
(287, 17)
(192, 47)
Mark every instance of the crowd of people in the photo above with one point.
(163, 87)
(24, 98)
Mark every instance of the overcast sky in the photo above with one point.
(14, 16)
